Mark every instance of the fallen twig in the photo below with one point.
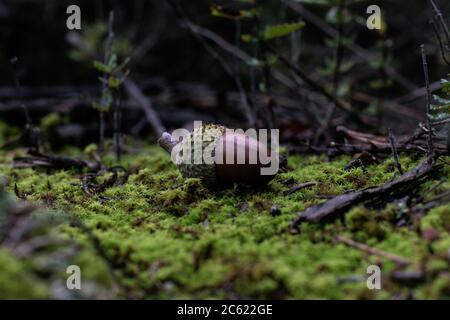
(393, 143)
(373, 251)
(297, 187)
(37, 159)
(349, 149)
(343, 202)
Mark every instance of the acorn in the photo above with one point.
(220, 157)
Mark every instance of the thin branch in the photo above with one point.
(222, 43)
(427, 85)
(438, 123)
(441, 45)
(373, 251)
(145, 103)
(106, 60)
(393, 142)
(440, 18)
(341, 203)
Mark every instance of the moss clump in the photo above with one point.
(17, 282)
(164, 236)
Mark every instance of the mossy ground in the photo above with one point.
(167, 237)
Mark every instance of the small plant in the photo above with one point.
(114, 74)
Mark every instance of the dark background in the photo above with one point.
(173, 61)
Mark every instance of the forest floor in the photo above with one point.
(149, 233)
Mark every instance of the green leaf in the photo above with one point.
(112, 64)
(99, 107)
(248, 38)
(114, 82)
(105, 102)
(262, 87)
(271, 59)
(100, 66)
(336, 16)
(219, 11)
(253, 62)
(280, 30)
(441, 100)
(438, 117)
(445, 86)
(435, 110)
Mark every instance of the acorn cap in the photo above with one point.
(207, 135)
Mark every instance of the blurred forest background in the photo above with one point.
(378, 73)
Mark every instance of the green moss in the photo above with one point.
(17, 282)
(169, 237)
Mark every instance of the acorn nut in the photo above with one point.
(220, 157)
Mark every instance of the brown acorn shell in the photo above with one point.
(246, 173)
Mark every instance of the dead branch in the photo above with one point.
(145, 103)
(343, 202)
(300, 186)
(427, 85)
(393, 142)
(37, 159)
(373, 251)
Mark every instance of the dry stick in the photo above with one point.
(145, 103)
(416, 94)
(117, 120)
(221, 42)
(343, 202)
(114, 91)
(348, 149)
(37, 159)
(337, 72)
(373, 251)
(393, 142)
(427, 84)
(300, 186)
(441, 45)
(243, 94)
(440, 18)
